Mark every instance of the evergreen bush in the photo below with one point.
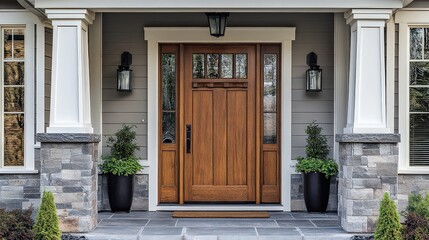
(46, 226)
(419, 205)
(388, 224)
(317, 151)
(122, 160)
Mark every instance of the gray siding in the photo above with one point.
(124, 32)
(48, 72)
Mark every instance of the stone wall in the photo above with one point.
(69, 171)
(21, 191)
(141, 193)
(297, 194)
(407, 184)
(368, 169)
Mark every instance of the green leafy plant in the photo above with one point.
(46, 226)
(16, 224)
(388, 224)
(416, 226)
(122, 160)
(317, 151)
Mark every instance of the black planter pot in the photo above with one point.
(316, 191)
(121, 190)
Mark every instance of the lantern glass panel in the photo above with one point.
(314, 80)
(124, 80)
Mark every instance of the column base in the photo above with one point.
(368, 169)
(69, 171)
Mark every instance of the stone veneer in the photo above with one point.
(368, 169)
(297, 194)
(21, 191)
(69, 171)
(140, 198)
(411, 184)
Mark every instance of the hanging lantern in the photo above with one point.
(314, 74)
(124, 73)
(217, 23)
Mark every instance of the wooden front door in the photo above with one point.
(219, 109)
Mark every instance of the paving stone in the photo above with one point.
(161, 223)
(281, 215)
(162, 231)
(295, 223)
(137, 214)
(326, 223)
(116, 230)
(235, 231)
(280, 237)
(225, 223)
(305, 215)
(123, 222)
(160, 237)
(278, 231)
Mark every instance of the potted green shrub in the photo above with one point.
(121, 166)
(316, 169)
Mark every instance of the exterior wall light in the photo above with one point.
(217, 23)
(124, 73)
(314, 74)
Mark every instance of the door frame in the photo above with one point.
(283, 35)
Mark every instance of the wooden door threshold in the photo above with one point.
(222, 207)
(213, 214)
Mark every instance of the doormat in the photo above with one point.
(198, 214)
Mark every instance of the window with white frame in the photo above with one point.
(418, 95)
(12, 100)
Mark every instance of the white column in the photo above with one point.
(366, 111)
(70, 94)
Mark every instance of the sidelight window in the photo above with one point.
(168, 85)
(270, 79)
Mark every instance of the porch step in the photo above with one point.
(211, 214)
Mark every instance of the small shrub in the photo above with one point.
(419, 205)
(388, 225)
(16, 224)
(416, 227)
(46, 227)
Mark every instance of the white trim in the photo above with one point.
(185, 5)
(283, 35)
(34, 78)
(220, 207)
(18, 171)
(407, 19)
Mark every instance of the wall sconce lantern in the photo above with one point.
(217, 23)
(124, 73)
(314, 74)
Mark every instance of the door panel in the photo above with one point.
(221, 165)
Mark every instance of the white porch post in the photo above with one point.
(70, 94)
(367, 88)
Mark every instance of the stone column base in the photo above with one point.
(69, 171)
(368, 169)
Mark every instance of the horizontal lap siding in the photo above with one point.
(124, 32)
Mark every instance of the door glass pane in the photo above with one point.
(7, 43)
(426, 43)
(13, 73)
(198, 65)
(14, 139)
(270, 82)
(226, 66)
(14, 99)
(168, 81)
(241, 65)
(168, 127)
(416, 43)
(213, 65)
(18, 43)
(270, 128)
(419, 99)
(419, 140)
(419, 73)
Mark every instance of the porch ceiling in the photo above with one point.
(223, 5)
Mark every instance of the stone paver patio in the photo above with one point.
(160, 225)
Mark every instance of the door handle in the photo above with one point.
(188, 138)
